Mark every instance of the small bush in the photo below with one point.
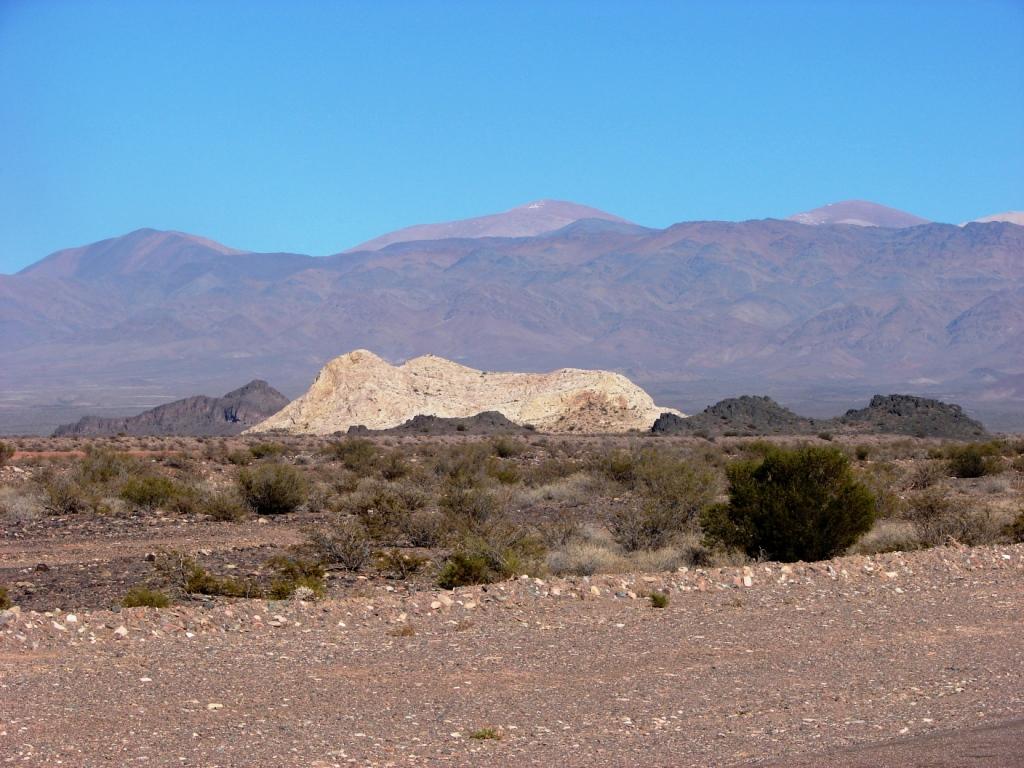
(272, 489)
(463, 569)
(396, 564)
(345, 544)
(5, 599)
(974, 460)
(1015, 530)
(939, 518)
(224, 507)
(356, 454)
(801, 504)
(294, 574)
(862, 452)
(425, 528)
(469, 506)
(266, 450)
(659, 600)
(672, 495)
(149, 491)
(485, 734)
(6, 452)
(926, 474)
(199, 581)
(102, 466)
(495, 552)
(139, 597)
(506, 448)
(63, 496)
(383, 506)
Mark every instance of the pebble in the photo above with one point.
(121, 631)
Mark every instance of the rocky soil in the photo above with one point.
(804, 664)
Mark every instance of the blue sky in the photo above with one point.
(311, 126)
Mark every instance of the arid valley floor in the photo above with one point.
(895, 654)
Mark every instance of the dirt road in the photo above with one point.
(831, 664)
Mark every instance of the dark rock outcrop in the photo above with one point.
(885, 415)
(746, 415)
(486, 423)
(198, 416)
(911, 415)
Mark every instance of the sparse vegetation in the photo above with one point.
(139, 597)
(486, 734)
(974, 460)
(659, 600)
(6, 452)
(5, 599)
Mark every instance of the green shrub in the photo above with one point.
(272, 489)
(355, 453)
(63, 496)
(149, 491)
(223, 506)
(492, 553)
(139, 597)
(1015, 530)
(486, 734)
(397, 564)
(266, 450)
(672, 493)
(469, 506)
(659, 600)
(800, 504)
(293, 574)
(102, 466)
(383, 506)
(506, 448)
(199, 581)
(862, 452)
(6, 452)
(974, 460)
(462, 569)
(5, 599)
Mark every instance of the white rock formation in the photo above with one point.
(359, 388)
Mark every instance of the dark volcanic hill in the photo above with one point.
(199, 415)
(808, 314)
(486, 423)
(746, 415)
(910, 415)
(885, 415)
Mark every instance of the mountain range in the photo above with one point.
(818, 314)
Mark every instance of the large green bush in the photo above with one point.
(797, 504)
(272, 489)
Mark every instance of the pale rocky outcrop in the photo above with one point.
(360, 388)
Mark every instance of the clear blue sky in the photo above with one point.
(310, 126)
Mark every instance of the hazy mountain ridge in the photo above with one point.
(199, 415)
(773, 303)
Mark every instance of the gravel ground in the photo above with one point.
(783, 665)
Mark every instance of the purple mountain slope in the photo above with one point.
(694, 312)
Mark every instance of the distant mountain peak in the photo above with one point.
(1010, 217)
(862, 213)
(528, 220)
(138, 250)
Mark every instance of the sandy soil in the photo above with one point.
(899, 659)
